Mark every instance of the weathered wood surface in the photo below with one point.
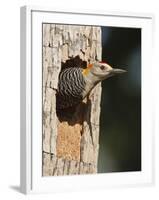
(70, 146)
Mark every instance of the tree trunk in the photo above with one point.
(70, 145)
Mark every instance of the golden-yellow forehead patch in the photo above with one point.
(90, 66)
(86, 71)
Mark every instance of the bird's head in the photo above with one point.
(100, 71)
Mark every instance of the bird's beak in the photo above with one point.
(115, 71)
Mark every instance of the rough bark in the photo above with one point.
(70, 145)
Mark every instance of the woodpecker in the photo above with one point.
(76, 83)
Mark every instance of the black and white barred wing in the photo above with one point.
(70, 87)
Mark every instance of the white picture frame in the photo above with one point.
(31, 76)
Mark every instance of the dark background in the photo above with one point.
(120, 122)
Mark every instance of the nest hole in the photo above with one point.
(73, 114)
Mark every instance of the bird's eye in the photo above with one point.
(102, 67)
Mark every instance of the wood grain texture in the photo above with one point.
(70, 144)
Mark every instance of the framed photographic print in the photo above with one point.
(86, 99)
